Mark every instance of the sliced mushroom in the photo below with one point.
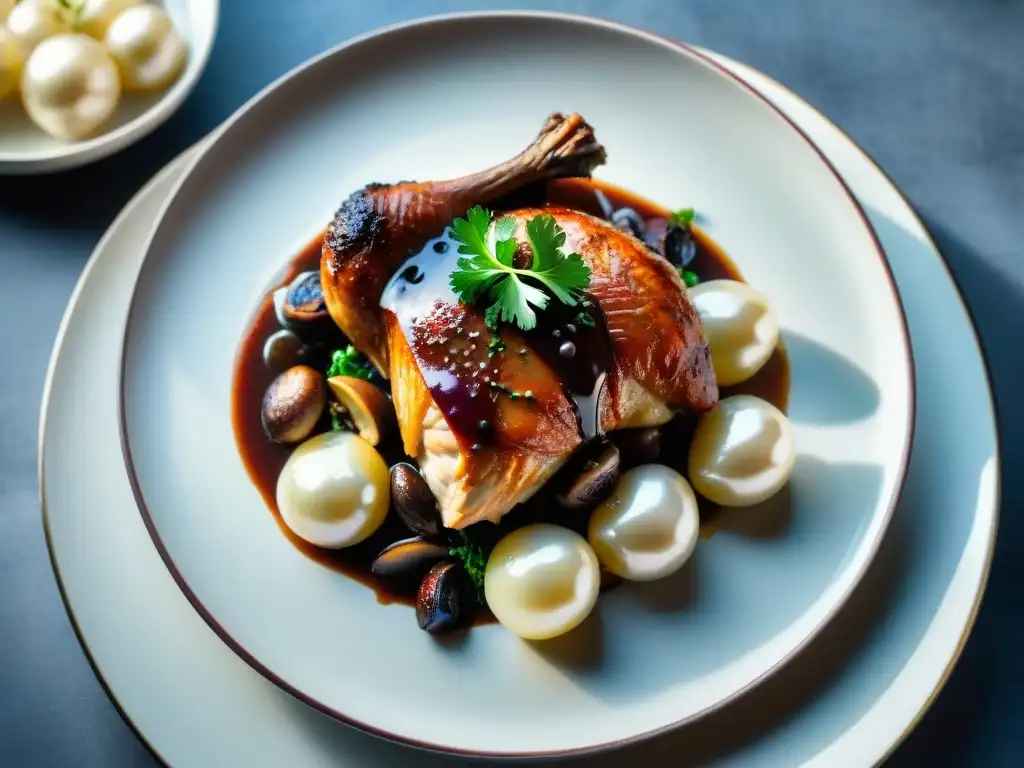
(293, 404)
(408, 556)
(414, 503)
(442, 601)
(594, 483)
(370, 409)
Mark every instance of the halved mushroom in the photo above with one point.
(300, 306)
(293, 404)
(408, 556)
(370, 409)
(594, 482)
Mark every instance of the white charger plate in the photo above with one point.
(25, 148)
(654, 656)
(846, 702)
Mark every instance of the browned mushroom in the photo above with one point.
(369, 408)
(413, 501)
(293, 404)
(594, 482)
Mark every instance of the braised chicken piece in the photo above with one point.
(491, 416)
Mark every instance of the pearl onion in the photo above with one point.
(32, 21)
(147, 48)
(649, 525)
(95, 16)
(742, 452)
(741, 328)
(70, 86)
(541, 581)
(334, 490)
(10, 62)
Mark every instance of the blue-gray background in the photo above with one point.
(933, 89)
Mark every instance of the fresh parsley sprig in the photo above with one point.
(682, 218)
(487, 271)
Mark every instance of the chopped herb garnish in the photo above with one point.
(495, 346)
(488, 271)
(689, 277)
(682, 218)
(473, 560)
(585, 320)
(348, 362)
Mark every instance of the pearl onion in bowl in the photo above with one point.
(94, 17)
(742, 452)
(32, 21)
(542, 581)
(334, 490)
(147, 47)
(70, 86)
(648, 528)
(741, 327)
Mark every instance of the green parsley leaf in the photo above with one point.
(682, 218)
(348, 362)
(513, 298)
(473, 560)
(490, 273)
(504, 229)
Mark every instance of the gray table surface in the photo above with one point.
(933, 89)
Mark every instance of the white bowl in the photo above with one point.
(384, 107)
(26, 149)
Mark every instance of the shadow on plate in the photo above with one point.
(763, 568)
(768, 520)
(826, 388)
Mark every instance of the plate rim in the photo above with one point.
(683, 49)
(79, 153)
(182, 158)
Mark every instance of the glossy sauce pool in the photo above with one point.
(264, 459)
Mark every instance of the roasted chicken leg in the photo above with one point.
(379, 226)
(492, 416)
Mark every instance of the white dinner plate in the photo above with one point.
(846, 702)
(654, 656)
(25, 148)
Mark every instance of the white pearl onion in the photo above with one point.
(10, 62)
(94, 17)
(32, 21)
(334, 490)
(147, 48)
(741, 328)
(542, 581)
(70, 86)
(742, 452)
(648, 527)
